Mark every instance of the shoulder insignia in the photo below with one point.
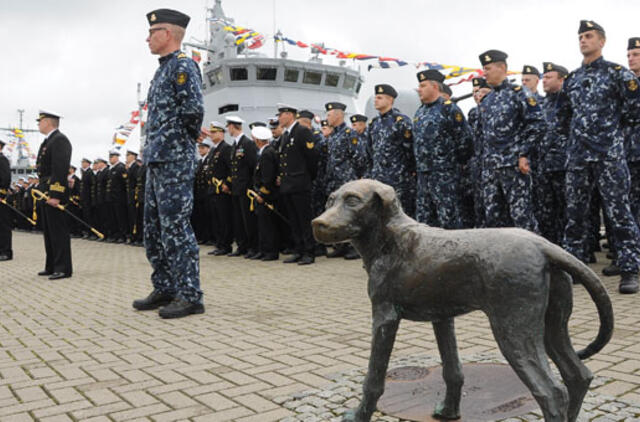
(182, 78)
(310, 145)
(182, 56)
(265, 190)
(124, 175)
(315, 132)
(458, 117)
(398, 118)
(57, 187)
(354, 141)
(407, 134)
(517, 88)
(633, 85)
(617, 67)
(448, 102)
(348, 130)
(532, 101)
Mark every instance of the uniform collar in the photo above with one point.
(438, 100)
(504, 84)
(164, 59)
(596, 63)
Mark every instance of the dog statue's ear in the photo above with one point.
(386, 194)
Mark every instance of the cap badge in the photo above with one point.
(589, 24)
(487, 58)
(153, 17)
(380, 90)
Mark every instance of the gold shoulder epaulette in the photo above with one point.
(182, 56)
(517, 88)
(448, 102)
(398, 118)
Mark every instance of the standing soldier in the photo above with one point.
(632, 136)
(133, 168)
(552, 157)
(298, 168)
(512, 123)
(442, 145)
(480, 89)
(73, 182)
(116, 198)
(243, 162)
(530, 80)
(359, 142)
(200, 218)
(102, 208)
(174, 119)
(85, 194)
(138, 229)
(389, 148)
(6, 251)
(53, 162)
(601, 96)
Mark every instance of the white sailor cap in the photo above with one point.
(261, 132)
(234, 119)
(48, 113)
(215, 126)
(130, 151)
(286, 107)
(87, 160)
(114, 152)
(206, 143)
(21, 178)
(101, 160)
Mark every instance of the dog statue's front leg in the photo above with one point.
(451, 370)
(385, 327)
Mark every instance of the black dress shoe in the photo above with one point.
(5, 258)
(257, 255)
(45, 272)
(292, 259)
(58, 276)
(237, 253)
(306, 260)
(219, 252)
(288, 251)
(179, 308)
(249, 254)
(629, 284)
(611, 270)
(155, 299)
(270, 257)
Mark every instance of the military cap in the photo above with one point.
(87, 160)
(101, 160)
(445, 89)
(480, 82)
(430, 75)
(284, 108)
(492, 56)
(324, 123)
(305, 114)
(215, 126)
(530, 70)
(335, 106)
(387, 90)
(358, 118)
(21, 178)
(33, 176)
(589, 26)
(168, 16)
(634, 43)
(261, 132)
(132, 152)
(552, 67)
(256, 124)
(206, 143)
(73, 167)
(234, 119)
(2, 143)
(274, 123)
(46, 113)
(114, 152)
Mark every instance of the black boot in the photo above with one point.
(628, 283)
(153, 301)
(179, 308)
(611, 270)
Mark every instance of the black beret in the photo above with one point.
(589, 26)
(634, 43)
(274, 123)
(358, 118)
(492, 56)
(254, 124)
(552, 67)
(335, 106)
(480, 82)
(324, 123)
(305, 114)
(430, 75)
(530, 70)
(445, 89)
(168, 16)
(387, 90)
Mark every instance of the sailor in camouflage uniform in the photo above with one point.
(442, 145)
(389, 148)
(551, 158)
(512, 123)
(6, 251)
(632, 135)
(174, 119)
(601, 98)
(359, 126)
(530, 80)
(480, 89)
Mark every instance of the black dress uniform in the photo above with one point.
(138, 230)
(264, 183)
(85, 197)
(298, 167)
(116, 198)
(74, 205)
(6, 252)
(243, 162)
(54, 157)
(132, 181)
(102, 213)
(219, 173)
(200, 217)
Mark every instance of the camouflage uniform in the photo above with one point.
(632, 153)
(442, 146)
(601, 97)
(342, 158)
(318, 194)
(175, 115)
(550, 172)
(512, 123)
(389, 155)
(475, 167)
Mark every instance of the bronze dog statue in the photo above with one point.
(519, 280)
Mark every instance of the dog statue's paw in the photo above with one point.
(354, 415)
(442, 412)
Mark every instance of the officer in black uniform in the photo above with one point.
(102, 210)
(138, 197)
(133, 168)
(85, 194)
(54, 157)
(200, 218)
(116, 197)
(298, 168)
(6, 252)
(73, 182)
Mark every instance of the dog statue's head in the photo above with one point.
(354, 208)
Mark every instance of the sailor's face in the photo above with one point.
(494, 73)
(158, 38)
(633, 56)
(382, 101)
(531, 82)
(590, 42)
(552, 82)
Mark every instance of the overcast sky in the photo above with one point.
(83, 58)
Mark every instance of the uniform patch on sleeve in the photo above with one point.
(354, 141)
(633, 85)
(310, 145)
(407, 134)
(458, 117)
(398, 118)
(181, 78)
(532, 101)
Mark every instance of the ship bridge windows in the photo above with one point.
(312, 78)
(349, 82)
(227, 108)
(266, 73)
(291, 75)
(215, 76)
(239, 73)
(332, 79)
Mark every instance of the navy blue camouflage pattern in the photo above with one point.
(342, 157)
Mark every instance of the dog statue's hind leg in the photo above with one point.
(451, 370)
(385, 326)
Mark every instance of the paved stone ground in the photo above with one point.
(74, 349)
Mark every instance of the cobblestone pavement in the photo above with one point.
(74, 349)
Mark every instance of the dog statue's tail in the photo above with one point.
(584, 275)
